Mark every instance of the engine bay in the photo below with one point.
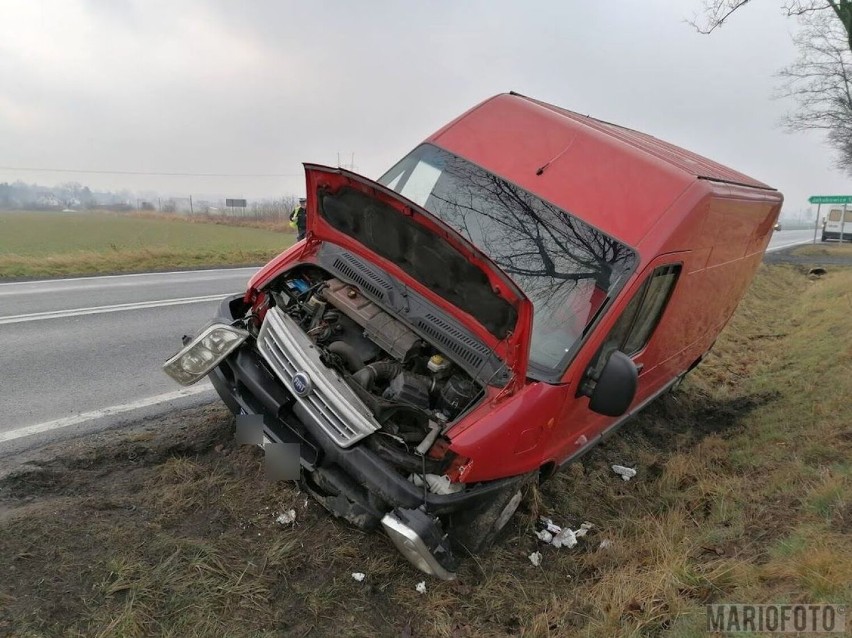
(413, 389)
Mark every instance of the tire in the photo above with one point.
(475, 532)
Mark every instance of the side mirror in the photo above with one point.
(616, 387)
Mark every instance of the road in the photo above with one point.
(785, 238)
(84, 354)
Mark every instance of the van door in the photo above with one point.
(632, 333)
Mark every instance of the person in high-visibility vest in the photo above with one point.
(298, 219)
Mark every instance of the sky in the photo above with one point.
(249, 90)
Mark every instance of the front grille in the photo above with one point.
(332, 403)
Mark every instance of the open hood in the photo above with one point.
(424, 253)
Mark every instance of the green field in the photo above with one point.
(37, 244)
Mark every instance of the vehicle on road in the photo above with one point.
(837, 225)
(505, 297)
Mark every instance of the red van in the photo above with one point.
(506, 296)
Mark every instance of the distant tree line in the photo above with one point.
(73, 195)
(33, 196)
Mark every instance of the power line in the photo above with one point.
(154, 173)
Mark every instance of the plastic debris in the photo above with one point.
(286, 518)
(535, 558)
(359, 576)
(626, 473)
(605, 544)
(565, 538)
(544, 535)
(549, 525)
(437, 484)
(421, 587)
(557, 536)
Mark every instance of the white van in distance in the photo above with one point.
(837, 224)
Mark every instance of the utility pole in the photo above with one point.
(816, 223)
(190, 206)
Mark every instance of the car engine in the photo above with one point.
(412, 389)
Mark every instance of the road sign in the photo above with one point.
(830, 199)
(241, 203)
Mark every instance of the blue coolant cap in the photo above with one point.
(299, 285)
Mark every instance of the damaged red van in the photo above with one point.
(502, 299)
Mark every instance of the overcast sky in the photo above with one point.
(259, 87)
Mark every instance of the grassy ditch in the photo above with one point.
(824, 250)
(743, 494)
(58, 244)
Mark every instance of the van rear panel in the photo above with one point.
(838, 224)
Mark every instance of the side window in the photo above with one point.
(636, 324)
(834, 215)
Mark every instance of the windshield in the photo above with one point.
(564, 266)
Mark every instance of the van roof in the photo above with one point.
(617, 179)
(681, 158)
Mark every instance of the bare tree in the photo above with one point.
(819, 79)
(714, 13)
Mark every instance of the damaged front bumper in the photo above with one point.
(353, 482)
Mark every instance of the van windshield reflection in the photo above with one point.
(565, 267)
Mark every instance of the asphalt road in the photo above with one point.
(786, 238)
(84, 354)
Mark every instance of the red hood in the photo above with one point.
(423, 253)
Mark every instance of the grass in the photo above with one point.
(824, 250)
(248, 221)
(59, 244)
(743, 494)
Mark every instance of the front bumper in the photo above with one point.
(354, 482)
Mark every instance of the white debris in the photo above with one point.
(437, 484)
(558, 536)
(565, 538)
(535, 558)
(286, 518)
(421, 587)
(544, 535)
(549, 525)
(359, 576)
(605, 544)
(625, 473)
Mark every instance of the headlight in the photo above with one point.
(204, 353)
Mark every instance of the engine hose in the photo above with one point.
(385, 370)
(347, 353)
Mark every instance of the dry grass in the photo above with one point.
(824, 250)
(278, 226)
(744, 494)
